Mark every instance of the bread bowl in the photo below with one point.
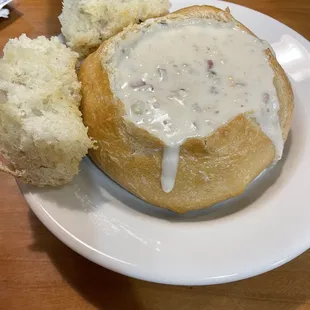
(181, 167)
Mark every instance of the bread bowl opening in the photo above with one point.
(181, 79)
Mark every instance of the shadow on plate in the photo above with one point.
(286, 287)
(255, 190)
(100, 287)
(93, 189)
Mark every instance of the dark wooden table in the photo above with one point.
(38, 272)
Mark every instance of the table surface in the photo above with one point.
(37, 271)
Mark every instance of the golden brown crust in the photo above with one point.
(211, 169)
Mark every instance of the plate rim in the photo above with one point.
(72, 242)
(75, 244)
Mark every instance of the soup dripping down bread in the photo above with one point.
(187, 109)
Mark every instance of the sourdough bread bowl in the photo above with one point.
(186, 168)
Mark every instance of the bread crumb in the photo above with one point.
(42, 133)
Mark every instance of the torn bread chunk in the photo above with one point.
(87, 23)
(42, 135)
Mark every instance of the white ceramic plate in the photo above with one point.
(258, 231)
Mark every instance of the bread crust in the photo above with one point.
(211, 169)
